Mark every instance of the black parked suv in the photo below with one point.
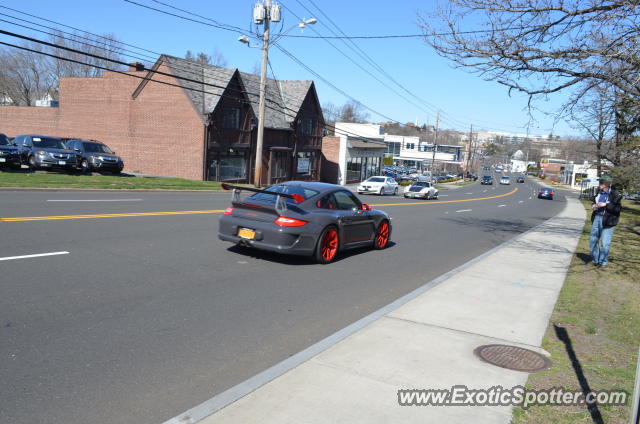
(43, 152)
(9, 156)
(486, 180)
(93, 155)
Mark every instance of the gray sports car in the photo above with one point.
(303, 218)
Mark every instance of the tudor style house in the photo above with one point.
(186, 119)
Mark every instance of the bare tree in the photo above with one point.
(215, 59)
(540, 47)
(352, 112)
(594, 114)
(106, 46)
(25, 76)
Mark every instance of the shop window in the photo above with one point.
(306, 163)
(279, 164)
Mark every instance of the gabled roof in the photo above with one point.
(205, 84)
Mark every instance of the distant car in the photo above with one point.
(505, 180)
(43, 152)
(303, 218)
(520, 179)
(9, 155)
(380, 185)
(421, 190)
(486, 180)
(545, 193)
(95, 156)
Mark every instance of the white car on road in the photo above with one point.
(421, 190)
(378, 185)
(505, 180)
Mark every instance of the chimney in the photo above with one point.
(136, 67)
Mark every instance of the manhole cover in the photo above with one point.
(512, 357)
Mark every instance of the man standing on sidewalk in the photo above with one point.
(606, 212)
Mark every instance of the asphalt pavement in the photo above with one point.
(142, 315)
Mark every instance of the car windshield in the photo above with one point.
(4, 140)
(421, 184)
(48, 143)
(286, 189)
(96, 148)
(375, 180)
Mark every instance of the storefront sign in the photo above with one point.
(304, 165)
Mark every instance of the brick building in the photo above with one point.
(200, 124)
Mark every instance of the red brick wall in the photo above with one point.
(330, 159)
(158, 133)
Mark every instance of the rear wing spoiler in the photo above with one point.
(281, 203)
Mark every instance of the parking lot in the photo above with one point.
(141, 312)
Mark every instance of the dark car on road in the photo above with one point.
(520, 179)
(486, 180)
(545, 193)
(303, 218)
(43, 152)
(9, 155)
(93, 155)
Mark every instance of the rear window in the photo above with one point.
(285, 189)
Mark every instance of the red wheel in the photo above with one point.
(382, 235)
(328, 245)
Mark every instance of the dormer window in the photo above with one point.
(306, 126)
(231, 118)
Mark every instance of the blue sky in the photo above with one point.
(463, 98)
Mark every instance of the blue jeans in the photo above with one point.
(599, 235)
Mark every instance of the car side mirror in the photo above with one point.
(366, 207)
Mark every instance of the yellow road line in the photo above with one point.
(213, 211)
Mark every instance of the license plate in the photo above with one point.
(3, 160)
(246, 233)
(61, 162)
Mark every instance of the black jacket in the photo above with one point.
(611, 211)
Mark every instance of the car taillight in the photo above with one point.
(283, 221)
(228, 211)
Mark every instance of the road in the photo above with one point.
(149, 315)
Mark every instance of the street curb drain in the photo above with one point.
(512, 358)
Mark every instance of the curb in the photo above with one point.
(118, 190)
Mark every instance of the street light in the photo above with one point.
(264, 13)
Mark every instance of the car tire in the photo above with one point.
(381, 238)
(381, 191)
(84, 166)
(328, 245)
(395, 192)
(33, 166)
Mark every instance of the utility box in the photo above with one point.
(259, 13)
(276, 13)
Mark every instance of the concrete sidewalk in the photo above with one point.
(504, 297)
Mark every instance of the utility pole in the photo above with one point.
(465, 169)
(435, 145)
(261, 105)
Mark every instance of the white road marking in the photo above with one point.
(38, 255)
(468, 193)
(529, 197)
(443, 195)
(94, 200)
(484, 191)
(501, 206)
(464, 210)
(520, 201)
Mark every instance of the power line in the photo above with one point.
(284, 109)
